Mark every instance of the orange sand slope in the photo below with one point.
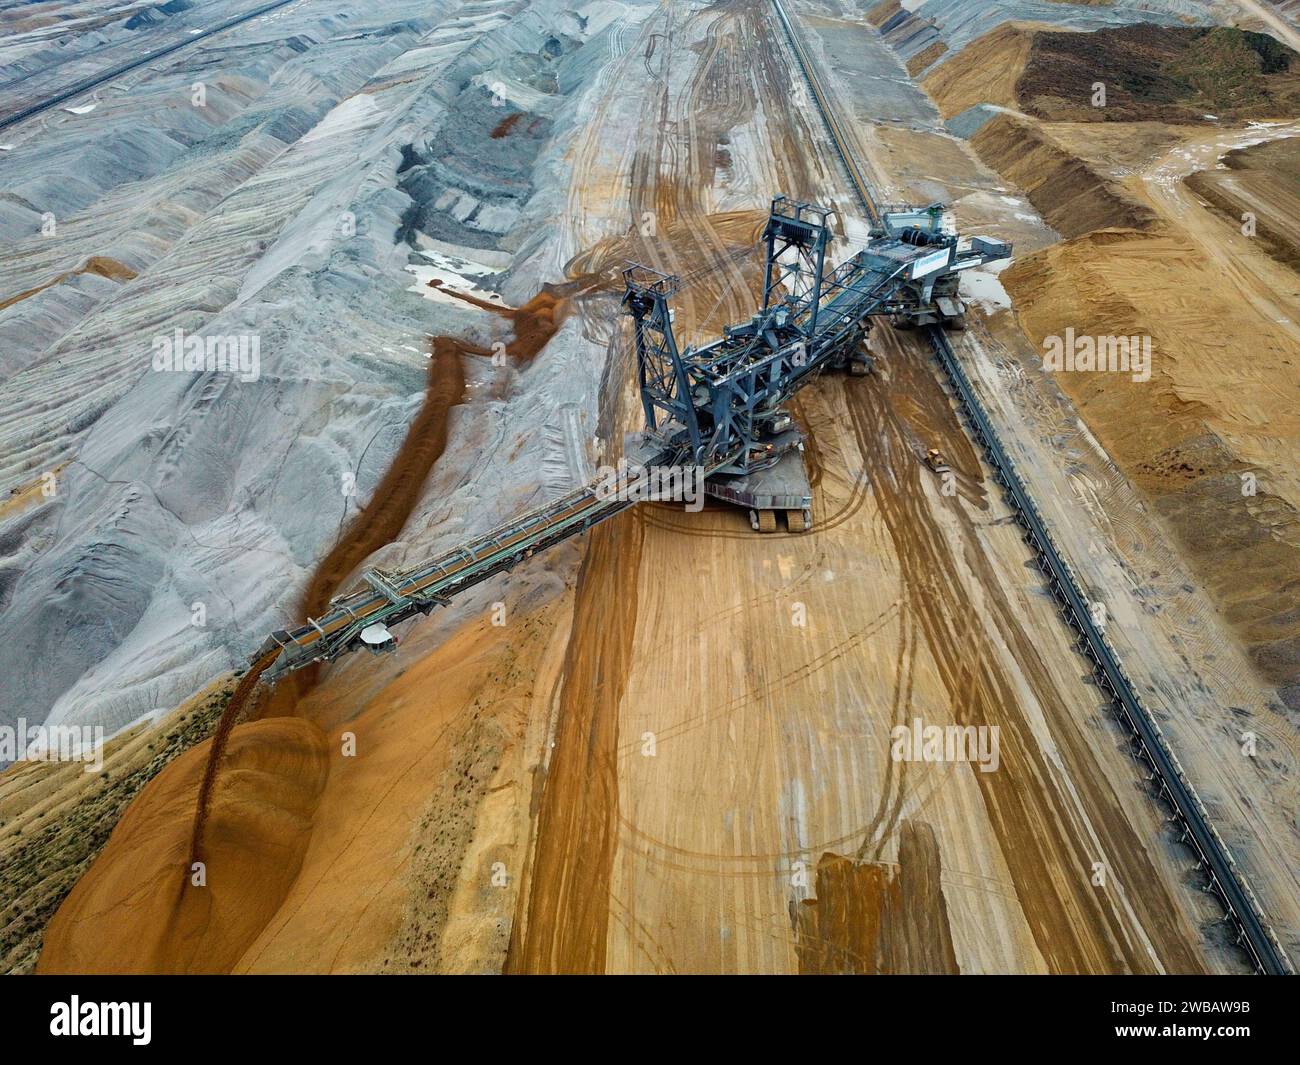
(146, 917)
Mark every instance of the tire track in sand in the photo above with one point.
(1044, 827)
(565, 913)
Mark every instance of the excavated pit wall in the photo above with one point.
(497, 438)
(202, 489)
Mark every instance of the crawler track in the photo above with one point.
(1169, 781)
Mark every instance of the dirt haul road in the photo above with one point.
(721, 795)
(686, 763)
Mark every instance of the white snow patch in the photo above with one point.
(447, 271)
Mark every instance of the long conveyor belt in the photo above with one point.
(1172, 784)
(392, 598)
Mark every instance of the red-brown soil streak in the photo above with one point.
(875, 918)
(382, 521)
(256, 827)
(376, 525)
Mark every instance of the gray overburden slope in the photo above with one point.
(271, 185)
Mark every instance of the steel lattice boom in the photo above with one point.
(723, 402)
(718, 408)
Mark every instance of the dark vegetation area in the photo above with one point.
(1160, 73)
